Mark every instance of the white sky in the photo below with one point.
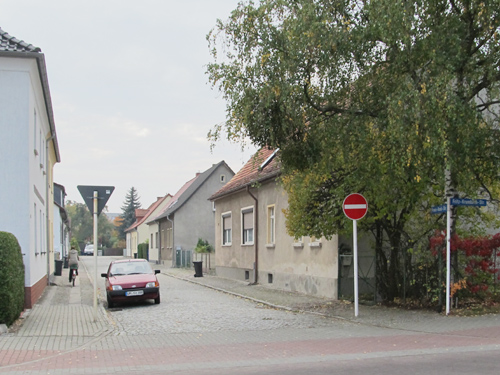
(132, 103)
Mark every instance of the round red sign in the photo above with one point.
(355, 206)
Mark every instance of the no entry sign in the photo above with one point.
(355, 206)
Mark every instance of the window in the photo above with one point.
(226, 229)
(34, 133)
(247, 221)
(152, 244)
(36, 230)
(41, 232)
(270, 225)
(157, 239)
(222, 178)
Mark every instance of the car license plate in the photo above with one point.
(134, 293)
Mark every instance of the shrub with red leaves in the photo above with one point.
(476, 260)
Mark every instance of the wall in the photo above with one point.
(24, 171)
(196, 218)
(308, 267)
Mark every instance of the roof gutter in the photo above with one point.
(256, 238)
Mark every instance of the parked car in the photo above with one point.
(89, 249)
(131, 280)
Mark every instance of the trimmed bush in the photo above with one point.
(12, 279)
(142, 251)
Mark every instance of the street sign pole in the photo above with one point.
(355, 207)
(96, 220)
(95, 197)
(448, 254)
(355, 255)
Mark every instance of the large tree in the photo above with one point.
(128, 211)
(380, 97)
(82, 225)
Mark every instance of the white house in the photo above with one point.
(61, 223)
(28, 153)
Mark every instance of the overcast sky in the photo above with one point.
(132, 103)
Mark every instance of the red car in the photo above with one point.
(131, 280)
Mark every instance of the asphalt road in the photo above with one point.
(199, 330)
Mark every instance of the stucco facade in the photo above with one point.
(28, 152)
(190, 215)
(306, 266)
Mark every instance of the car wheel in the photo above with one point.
(111, 304)
(157, 300)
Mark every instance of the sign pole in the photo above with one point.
(96, 219)
(355, 256)
(448, 248)
(355, 207)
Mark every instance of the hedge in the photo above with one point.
(143, 251)
(12, 279)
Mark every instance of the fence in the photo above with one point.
(366, 277)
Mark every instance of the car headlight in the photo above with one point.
(116, 287)
(151, 285)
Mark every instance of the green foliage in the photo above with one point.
(12, 276)
(371, 97)
(128, 211)
(203, 246)
(74, 243)
(143, 250)
(82, 226)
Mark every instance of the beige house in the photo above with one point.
(251, 242)
(140, 232)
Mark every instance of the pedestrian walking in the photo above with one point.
(73, 259)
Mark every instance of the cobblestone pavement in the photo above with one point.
(214, 325)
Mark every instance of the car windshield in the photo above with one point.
(130, 268)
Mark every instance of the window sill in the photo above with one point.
(315, 244)
(247, 244)
(298, 244)
(270, 245)
(226, 244)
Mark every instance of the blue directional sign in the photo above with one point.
(467, 202)
(438, 209)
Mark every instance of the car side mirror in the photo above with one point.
(157, 271)
(104, 275)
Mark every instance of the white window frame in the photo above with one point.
(35, 225)
(223, 229)
(35, 131)
(271, 224)
(247, 233)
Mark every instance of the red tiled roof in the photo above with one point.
(143, 214)
(261, 166)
